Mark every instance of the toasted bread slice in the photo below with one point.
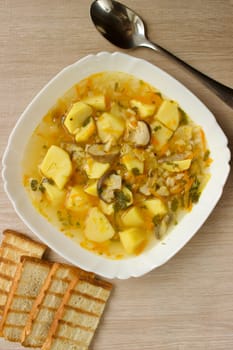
(30, 276)
(78, 316)
(47, 303)
(14, 245)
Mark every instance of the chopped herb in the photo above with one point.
(51, 182)
(86, 121)
(121, 200)
(122, 167)
(135, 109)
(157, 234)
(47, 180)
(206, 155)
(194, 192)
(195, 197)
(77, 223)
(173, 165)
(183, 117)
(135, 171)
(158, 127)
(174, 204)
(156, 220)
(195, 185)
(116, 86)
(182, 201)
(159, 94)
(129, 186)
(34, 184)
(65, 220)
(69, 234)
(41, 188)
(157, 230)
(120, 104)
(44, 146)
(59, 215)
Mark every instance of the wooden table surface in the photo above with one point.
(188, 302)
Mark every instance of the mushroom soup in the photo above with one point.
(114, 164)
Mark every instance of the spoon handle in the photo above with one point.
(224, 92)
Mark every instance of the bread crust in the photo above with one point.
(9, 232)
(15, 244)
(15, 283)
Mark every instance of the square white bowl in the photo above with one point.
(180, 234)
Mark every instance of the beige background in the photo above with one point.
(188, 302)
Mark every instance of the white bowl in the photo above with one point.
(187, 227)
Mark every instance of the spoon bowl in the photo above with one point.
(124, 28)
(118, 24)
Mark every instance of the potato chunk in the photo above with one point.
(144, 110)
(53, 193)
(160, 135)
(77, 200)
(91, 188)
(132, 163)
(132, 217)
(177, 165)
(57, 166)
(98, 228)
(110, 126)
(155, 206)
(77, 115)
(95, 169)
(132, 239)
(107, 209)
(97, 102)
(85, 132)
(168, 114)
(184, 133)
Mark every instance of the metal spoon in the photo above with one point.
(125, 29)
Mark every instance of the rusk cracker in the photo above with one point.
(47, 303)
(78, 316)
(13, 246)
(30, 276)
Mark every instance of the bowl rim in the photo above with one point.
(47, 97)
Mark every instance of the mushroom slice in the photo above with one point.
(161, 225)
(98, 152)
(140, 134)
(176, 157)
(107, 185)
(145, 189)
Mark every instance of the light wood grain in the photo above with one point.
(188, 302)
